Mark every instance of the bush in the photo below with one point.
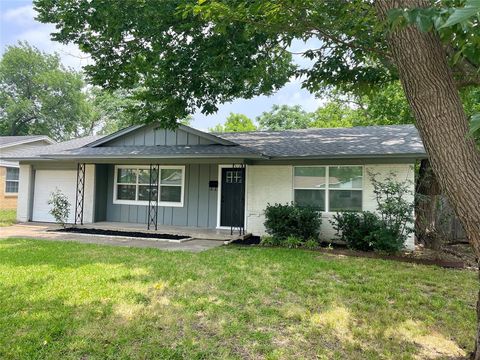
(385, 239)
(283, 221)
(356, 228)
(292, 242)
(60, 206)
(388, 228)
(311, 244)
(269, 241)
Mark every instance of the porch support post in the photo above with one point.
(80, 194)
(152, 216)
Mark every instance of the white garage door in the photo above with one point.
(46, 181)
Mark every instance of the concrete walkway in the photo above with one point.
(41, 231)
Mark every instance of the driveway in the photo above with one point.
(43, 231)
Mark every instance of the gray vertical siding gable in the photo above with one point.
(153, 135)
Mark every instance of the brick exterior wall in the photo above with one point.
(7, 201)
(274, 184)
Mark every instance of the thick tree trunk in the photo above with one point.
(431, 92)
(428, 193)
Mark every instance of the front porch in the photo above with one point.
(192, 232)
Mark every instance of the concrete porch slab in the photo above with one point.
(191, 232)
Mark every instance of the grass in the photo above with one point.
(77, 301)
(7, 217)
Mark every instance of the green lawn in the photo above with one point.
(77, 301)
(7, 217)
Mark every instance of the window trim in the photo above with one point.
(11, 193)
(327, 184)
(137, 184)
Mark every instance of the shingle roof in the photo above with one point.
(12, 140)
(355, 142)
(156, 151)
(54, 148)
(366, 141)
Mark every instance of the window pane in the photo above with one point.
(127, 176)
(345, 177)
(171, 193)
(313, 198)
(144, 176)
(344, 200)
(171, 176)
(12, 173)
(310, 177)
(144, 191)
(11, 187)
(126, 192)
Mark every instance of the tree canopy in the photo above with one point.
(235, 123)
(39, 96)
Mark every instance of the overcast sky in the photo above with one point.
(17, 23)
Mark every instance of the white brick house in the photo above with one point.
(215, 181)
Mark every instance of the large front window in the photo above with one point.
(132, 185)
(11, 181)
(329, 188)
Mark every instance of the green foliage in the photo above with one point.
(60, 207)
(293, 242)
(355, 228)
(269, 241)
(177, 59)
(183, 55)
(385, 239)
(311, 244)
(335, 114)
(284, 117)
(282, 221)
(235, 123)
(388, 228)
(39, 96)
(395, 203)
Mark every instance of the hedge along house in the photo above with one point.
(188, 179)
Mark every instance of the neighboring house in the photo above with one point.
(214, 181)
(9, 170)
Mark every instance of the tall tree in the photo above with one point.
(235, 123)
(201, 53)
(284, 117)
(39, 96)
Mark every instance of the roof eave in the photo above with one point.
(26, 141)
(352, 156)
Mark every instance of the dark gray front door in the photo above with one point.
(232, 197)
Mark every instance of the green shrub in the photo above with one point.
(60, 206)
(388, 228)
(355, 228)
(386, 239)
(292, 242)
(269, 241)
(311, 244)
(282, 221)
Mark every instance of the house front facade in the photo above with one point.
(9, 170)
(191, 179)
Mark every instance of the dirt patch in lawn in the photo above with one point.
(135, 234)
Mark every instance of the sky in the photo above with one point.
(17, 23)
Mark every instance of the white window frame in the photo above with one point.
(145, 202)
(327, 184)
(11, 193)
